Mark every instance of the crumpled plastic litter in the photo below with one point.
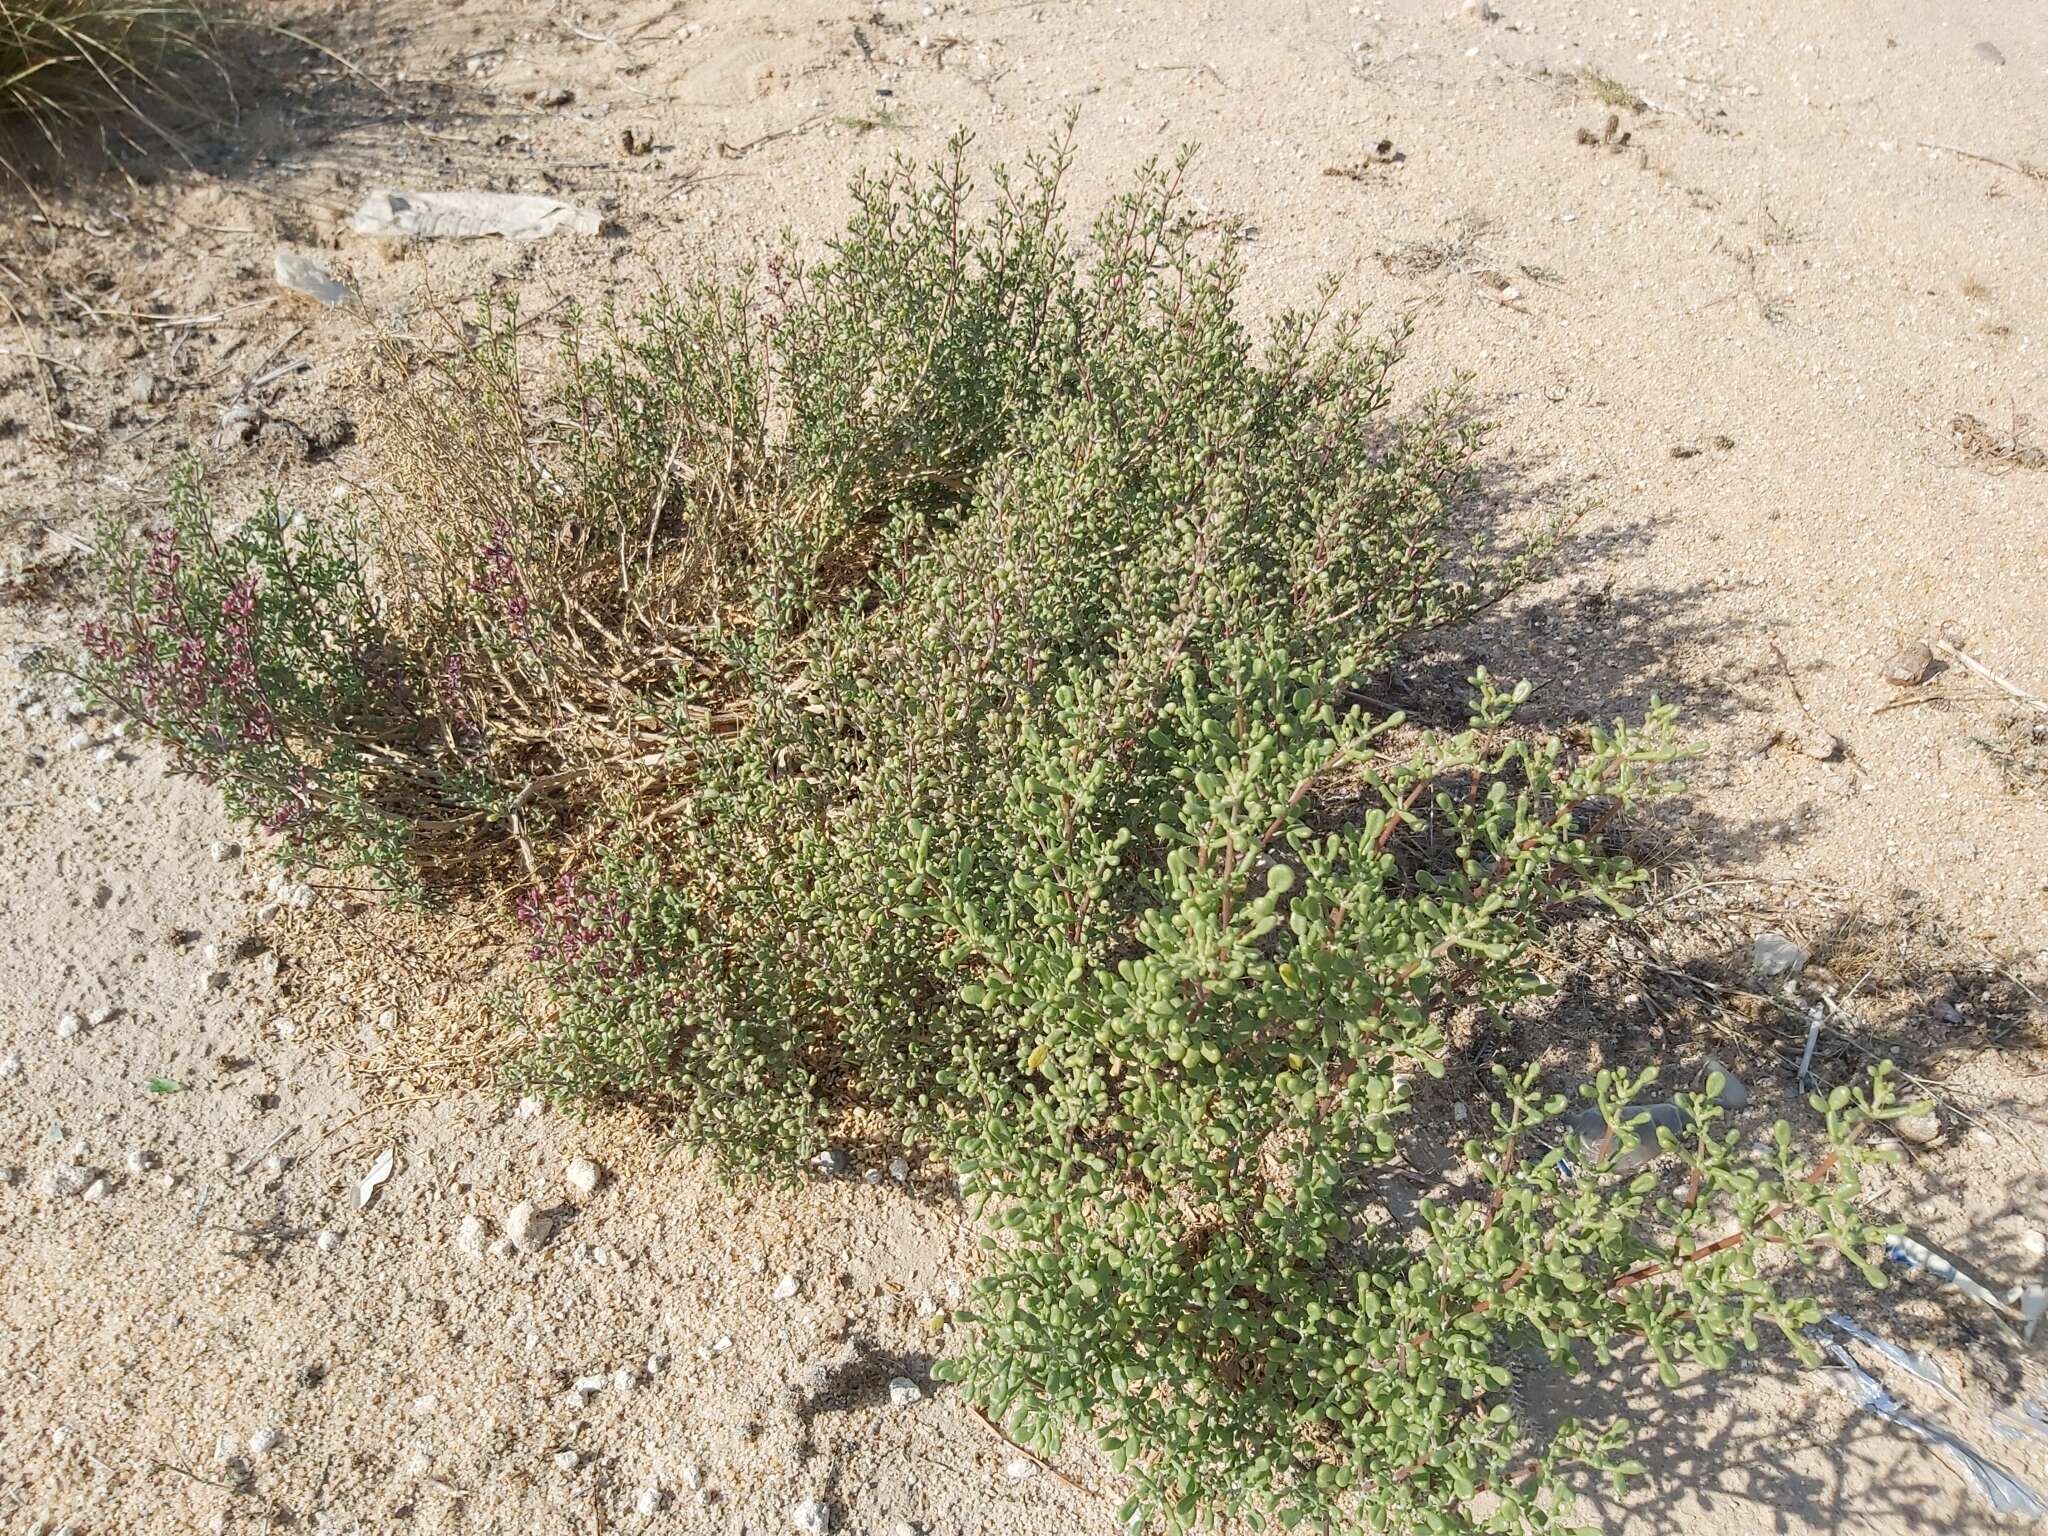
(302, 274)
(2029, 1421)
(1912, 1363)
(1998, 1487)
(2024, 1304)
(469, 216)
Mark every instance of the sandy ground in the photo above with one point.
(1738, 344)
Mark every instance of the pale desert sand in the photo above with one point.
(1737, 343)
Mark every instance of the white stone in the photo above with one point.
(649, 1502)
(812, 1516)
(10, 1065)
(527, 1227)
(567, 1460)
(529, 1107)
(582, 1177)
(691, 1476)
(903, 1392)
(68, 1026)
(140, 1161)
(221, 852)
(265, 1440)
(2036, 1244)
(96, 1191)
(899, 1169)
(470, 1238)
(1021, 1467)
(100, 1015)
(623, 1379)
(594, 1383)
(785, 1288)
(327, 1242)
(67, 1181)
(224, 1447)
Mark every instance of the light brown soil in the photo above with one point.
(1735, 345)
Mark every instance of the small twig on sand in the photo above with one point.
(1962, 658)
(1028, 1454)
(2024, 168)
(739, 151)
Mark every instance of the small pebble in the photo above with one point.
(623, 1380)
(785, 1288)
(501, 1248)
(1988, 52)
(832, 1161)
(96, 1191)
(872, 1176)
(221, 852)
(649, 1502)
(1922, 1130)
(903, 1392)
(567, 1460)
(99, 1015)
(265, 1440)
(812, 1516)
(1909, 665)
(527, 1227)
(68, 1026)
(10, 1065)
(899, 1169)
(1021, 1467)
(904, 1528)
(2036, 1244)
(67, 1181)
(529, 1107)
(582, 1177)
(327, 1242)
(691, 1476)
(225, 1447)
(588, 1384)
(470, 1237)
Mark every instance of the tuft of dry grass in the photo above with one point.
(71, 62)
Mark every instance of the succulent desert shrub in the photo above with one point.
(948, 660)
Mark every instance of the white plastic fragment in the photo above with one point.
(301, 274)
(380, 1170)
(1998, 1487)
(469, 216)
(1912, 1363)
(1775, 955)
